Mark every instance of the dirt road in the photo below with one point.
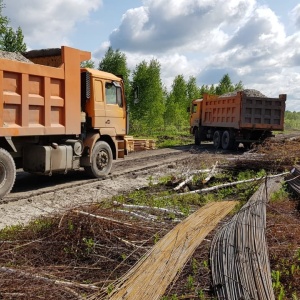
(34, 196)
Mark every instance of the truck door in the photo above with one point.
(195, 113)
(99, 105)
(115, 112)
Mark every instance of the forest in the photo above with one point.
(157, 110)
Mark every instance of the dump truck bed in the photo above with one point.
(36, 99)
(241, 111)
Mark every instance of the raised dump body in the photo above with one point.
(238, 118)
(56, 116)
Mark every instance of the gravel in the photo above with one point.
(247, 92)
(14, 56)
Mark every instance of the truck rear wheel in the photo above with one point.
(227, 140)
(101, 160)
(7, 173)
(217, 139)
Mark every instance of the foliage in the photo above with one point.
(147, 113)
(225, 85)
(115, 62)
(177, 102)
(88, 64)
(13, 41)
(4, 21)
(193, 91)
(291, 120)
(10, 40)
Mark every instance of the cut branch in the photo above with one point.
(190, 178)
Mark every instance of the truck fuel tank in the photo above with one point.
(48, 159)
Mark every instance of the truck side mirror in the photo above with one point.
(188, 109)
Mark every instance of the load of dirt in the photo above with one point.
(247, 92)
(14, 56)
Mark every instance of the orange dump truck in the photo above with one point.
(57, 117)
(242, 117)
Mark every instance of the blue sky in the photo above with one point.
(255, 41)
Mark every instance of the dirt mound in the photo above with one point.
(14, 56)
(247, 92)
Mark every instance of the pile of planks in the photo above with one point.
(133, 144)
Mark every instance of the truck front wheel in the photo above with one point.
(197, 136)
(101, 160)
(7, 172)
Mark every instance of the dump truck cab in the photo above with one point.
(104, 102)
(195, 118)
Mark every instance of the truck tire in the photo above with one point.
(217, 139)
(7, 173)
(197, 137)
(101, 160)
(227, 140)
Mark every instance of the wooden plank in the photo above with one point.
(149, 279)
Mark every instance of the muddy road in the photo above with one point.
(34, 195)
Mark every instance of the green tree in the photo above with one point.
(226, 86)
(146, 114)
(205, 89)
(193, 91)
(88, 64)
(115, 62)
(177, 103)
(238, 86)
(13, 41)
(10, 40)
(4, 21)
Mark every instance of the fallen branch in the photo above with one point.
(165, 210)
(101, 218)
(148, 217)
(211, 174)
(66, 284)
(216, 187)
(190, 178)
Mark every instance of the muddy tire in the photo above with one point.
(227, 140)
(217, 139)
(101, 160)
(7, 173)
(197, 137)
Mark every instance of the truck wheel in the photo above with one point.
(217, 139)
(7, 173)
(101, 160)
(227, 140)
(197, 137)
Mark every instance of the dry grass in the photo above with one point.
(66, 257)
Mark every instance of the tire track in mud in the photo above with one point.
(60, 194)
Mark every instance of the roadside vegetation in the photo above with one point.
(73, 255)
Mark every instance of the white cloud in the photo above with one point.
(202, 38)
(295, 14)
(208, 38)
(48, 23)
(161, 26)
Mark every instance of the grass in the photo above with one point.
(86, 243)
(168, 136)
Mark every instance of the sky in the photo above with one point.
(254, 41)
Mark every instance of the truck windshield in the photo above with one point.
(113, 93)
